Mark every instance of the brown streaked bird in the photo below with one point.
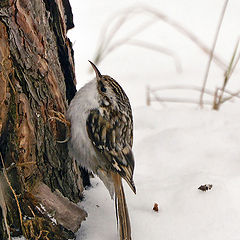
(102, 137)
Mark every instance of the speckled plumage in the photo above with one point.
(102, 137)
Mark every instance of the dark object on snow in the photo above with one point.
(205, 187)
(155, 207)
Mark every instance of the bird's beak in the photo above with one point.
(98, 74)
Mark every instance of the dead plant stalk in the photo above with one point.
(212, 52)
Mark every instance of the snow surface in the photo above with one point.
(176, 151)
(177, 147)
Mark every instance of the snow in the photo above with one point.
(177, 147)
(176, 151)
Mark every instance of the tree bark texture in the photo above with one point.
(39, 183)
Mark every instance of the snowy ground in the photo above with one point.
(177, 147)
(176, 151)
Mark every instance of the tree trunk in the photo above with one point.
(39, 183)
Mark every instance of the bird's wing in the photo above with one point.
(113, 139)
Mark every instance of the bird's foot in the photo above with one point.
(61, 118)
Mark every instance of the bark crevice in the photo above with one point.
(36, 78)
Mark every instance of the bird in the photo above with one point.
(102, 137)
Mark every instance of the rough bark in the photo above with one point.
(36, 79)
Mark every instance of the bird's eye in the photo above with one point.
(103, 89)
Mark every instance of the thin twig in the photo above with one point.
(230, 97)
(227, 75)
(14, 193)
(153, 91)
(181, 100)
(122, 41)
(148, 97)
(236, 62)
(105, 39)
(181, 87)
(194, 88)
(186, 33)
(212, 52)
(159, 49)
(106, 47)
(158, 99)
(176, 100)
(4, 211)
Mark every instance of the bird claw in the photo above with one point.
(61, 118)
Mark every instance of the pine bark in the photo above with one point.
(39, 183)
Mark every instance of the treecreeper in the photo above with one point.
(102, 138)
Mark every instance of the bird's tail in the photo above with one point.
(122, 216)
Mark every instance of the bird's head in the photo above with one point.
(110, 92)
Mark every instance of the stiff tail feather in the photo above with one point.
(122, 216)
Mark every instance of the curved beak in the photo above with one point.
(97, 72)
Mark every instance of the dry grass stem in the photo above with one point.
(212, 52)
(158, 49)
(153, 92)
(105, 38)
(182, 100)
(148, 98)
(230, 97)
(228, 72)
(231, 67)
(182, 87)
(188, 34)
(124, 40)
(235, 64)
(215, 94)
(157, 98)
(117, 21)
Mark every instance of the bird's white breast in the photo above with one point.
(80, 146)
